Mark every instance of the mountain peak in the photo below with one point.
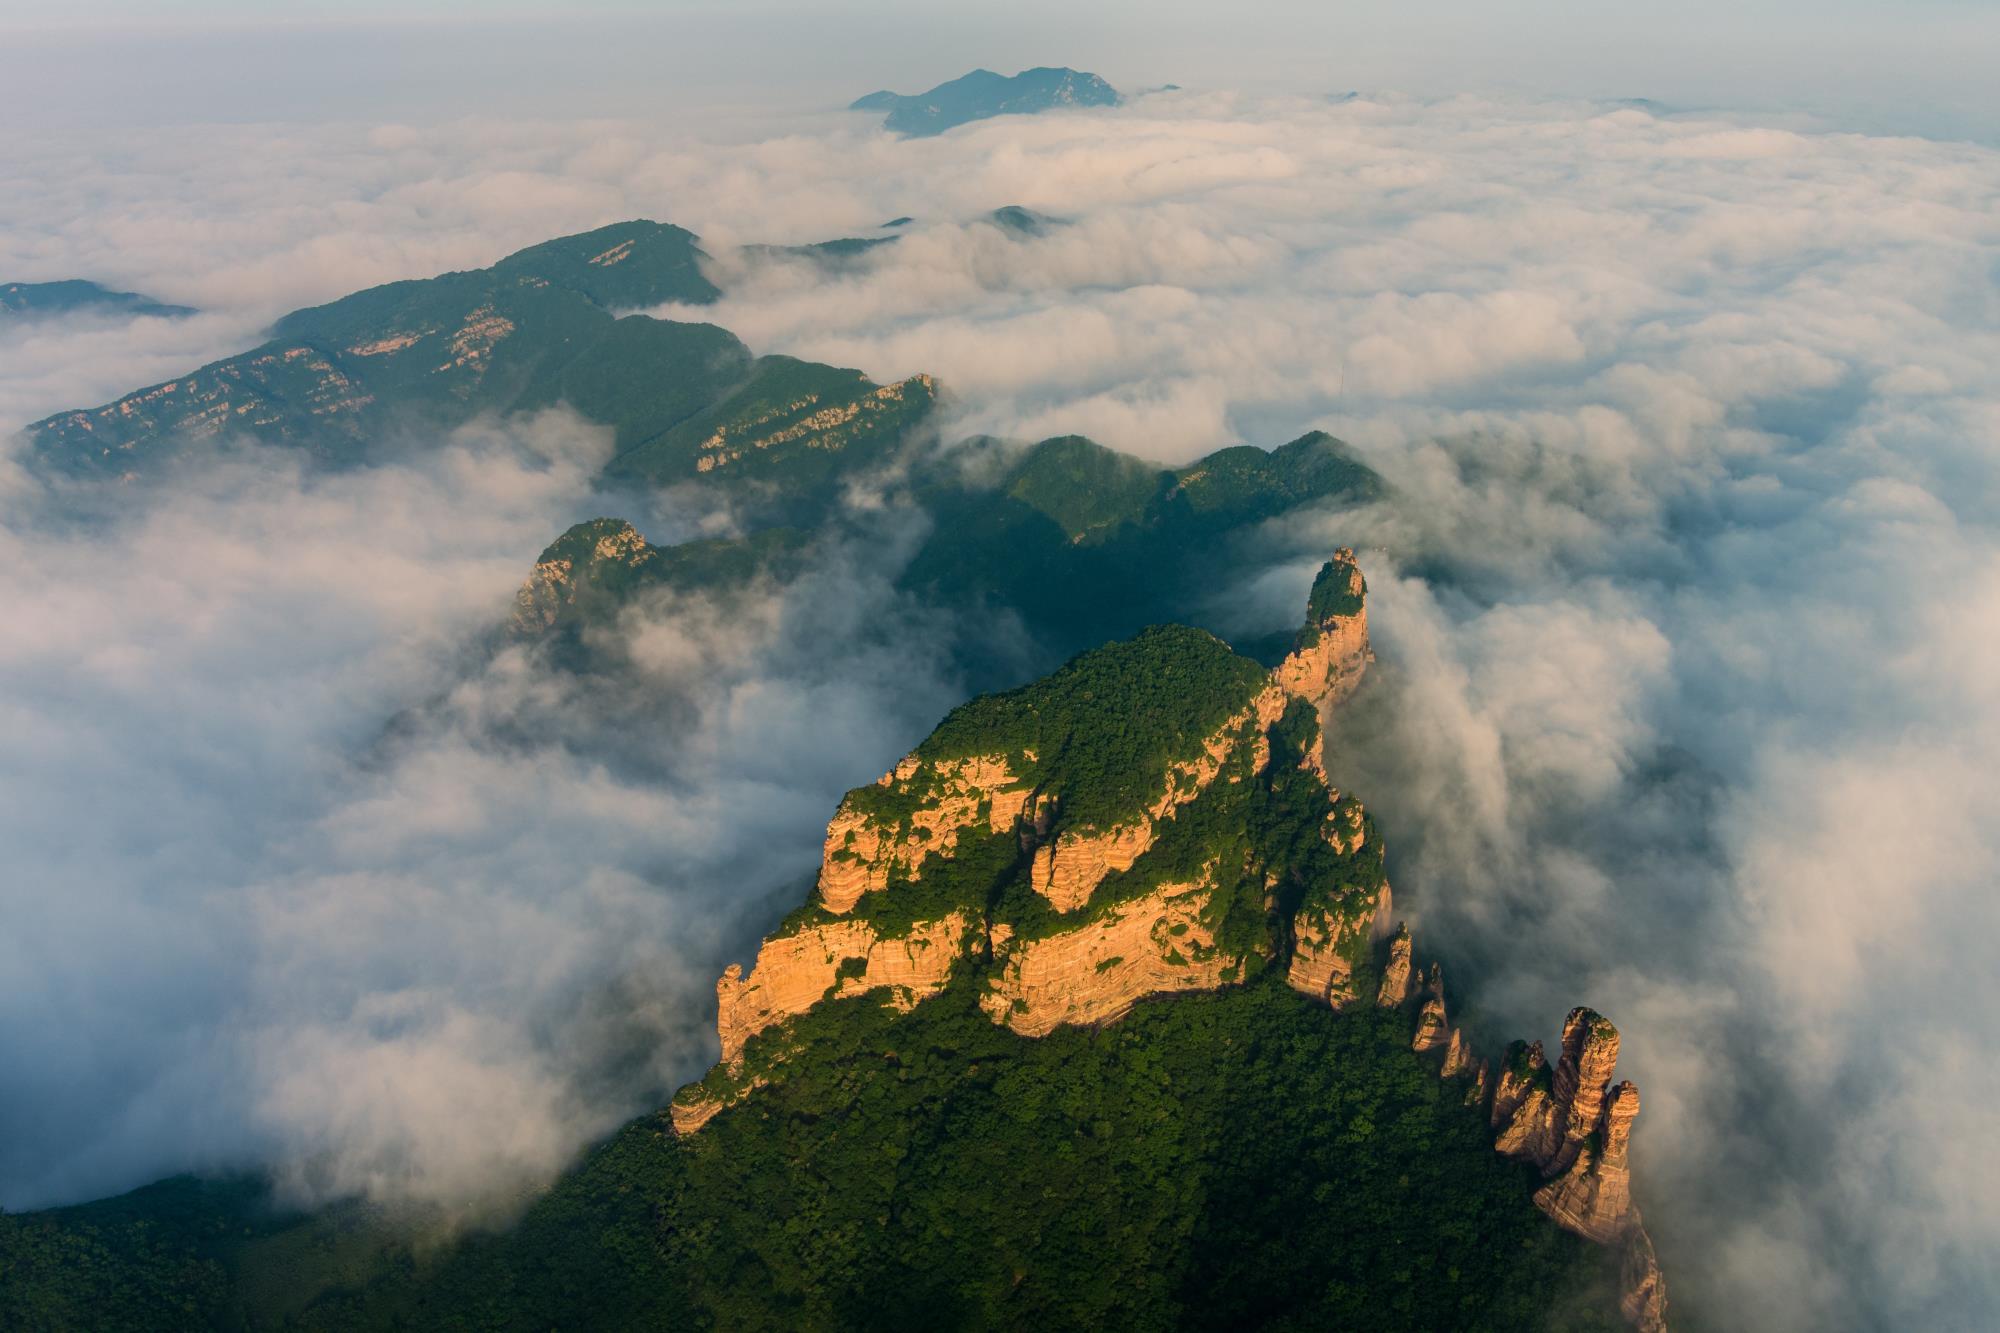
(981, 93)
(75, 296)
(1155, 819)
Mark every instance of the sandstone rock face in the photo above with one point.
(1094, 972)
(1578, 1130)
(1068, 869)
(1433, 1032)
(1457, 1057)
(1527, 1126)
(1332, 651)
(1092, 957)
(1644, 1299)
(1323, 945)
(862, 848)
(1523, 1110)
(795, 972)
(1154, 945)
(1568, 1121)
(695, 1107)
(1590, 1054)
(1395, 987)
(1593, 1197)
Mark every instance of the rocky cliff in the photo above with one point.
(1570, 1122)
(1155, 818)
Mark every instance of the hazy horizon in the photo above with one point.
(1920, 67)
(1685, 588)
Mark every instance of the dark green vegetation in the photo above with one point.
(596, 568)
(793, 425)
(1105, 727)
(419, 355)
(1094, 740)
(1066, 543)
(74, 296)
(842, 255)
(1104, 733)
(1337, 591)
(982, 93)
(394, 366)
(835, 256)
(1241, 1159)
(1047, 550)
(1083, 543)
(1237, 1160)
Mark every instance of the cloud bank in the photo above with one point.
(1685, 599)
(306, 872)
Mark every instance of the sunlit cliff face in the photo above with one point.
(1681, 599)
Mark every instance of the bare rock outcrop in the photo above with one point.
(1569, 1120)
(1332, 651)
(695, 1105)
(1577, 1128)
(1522, 1107)
(1154, 945)
(1324, 945)
(991, 829)
(1067, 869)
(1593, 1197)
(1643, 1299)
(1457, 1057)
(1433, 1031)
(795, 972)
(1395, 987)
(866, 843)
(1589, 1055)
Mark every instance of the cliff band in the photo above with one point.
(1155, 818)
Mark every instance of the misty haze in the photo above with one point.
(711, 666)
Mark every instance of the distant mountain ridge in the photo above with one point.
(537, 328)
(1078, 542)
(953, 1092)
(983, 94)
(75, 296)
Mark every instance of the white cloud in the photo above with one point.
(1686, 599)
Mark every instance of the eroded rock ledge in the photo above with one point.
(1155, 819)
(1572, 1122)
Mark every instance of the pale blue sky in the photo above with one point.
(1912, 65)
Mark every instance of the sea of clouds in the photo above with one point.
(1685, 598)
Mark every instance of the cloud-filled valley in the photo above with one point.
(1685, 594)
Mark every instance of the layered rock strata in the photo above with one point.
(865, 848)
(796, 972)
(995, 855)
(1571, 1122)
(1324, 949)
(893, 838)
(1154, 945)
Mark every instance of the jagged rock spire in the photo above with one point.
(1569, 1121)
(1395, 988)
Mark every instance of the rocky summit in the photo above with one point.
(1152, 820)
(1096, 1013)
